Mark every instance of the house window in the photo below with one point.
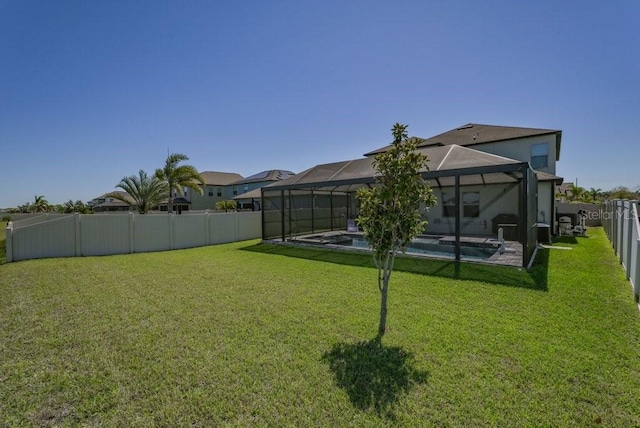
(471, 204)
(246, 188)
(448, 204)
(219, 191)
(210, 191)
(235, 190)
(539, 155)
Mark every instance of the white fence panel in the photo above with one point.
(622, 226)
(104, 234)
(189, 230)
(151, 233)
(222, 228)
(54, 238)
(30, 219)
(249, 226)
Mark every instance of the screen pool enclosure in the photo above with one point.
(477, 194)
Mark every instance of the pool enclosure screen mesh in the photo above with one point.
(476, 192)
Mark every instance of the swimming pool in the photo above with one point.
(431, 246)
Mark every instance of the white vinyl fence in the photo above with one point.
(622, 226)
(103, 234)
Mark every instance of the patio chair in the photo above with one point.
(351, 225)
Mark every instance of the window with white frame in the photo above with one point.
(539, 155)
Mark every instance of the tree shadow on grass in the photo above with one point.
(373, 375)
(534, 278)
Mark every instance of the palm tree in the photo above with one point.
(145, 192)
(577, 193)
(595, 194)
(75, 207)
(177, 177)
(40, 205)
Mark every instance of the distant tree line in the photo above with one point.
(580, 194)
(41, 205)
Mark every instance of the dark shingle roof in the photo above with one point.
(269, 175)
(442, 160)
(472, 134)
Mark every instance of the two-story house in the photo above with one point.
(218, 187)
(485, 178)
(539, 147)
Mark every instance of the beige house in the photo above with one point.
(217, 187)
(539, 147)
(493, 184)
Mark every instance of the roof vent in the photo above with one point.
(467, 126)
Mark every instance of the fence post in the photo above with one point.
(235, 238)
(9, 241)
(171, 231)
(77, 231)
(207, 227)
(629, 240)
(132, 243)
(620, 228)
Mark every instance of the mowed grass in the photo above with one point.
(249, 334)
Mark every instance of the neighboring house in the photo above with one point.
(563, 192)
(539, 147)
(247, 191)
(107, 203)
(217, 187)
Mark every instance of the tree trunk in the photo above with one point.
(382, 327)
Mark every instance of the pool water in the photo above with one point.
(429, 246)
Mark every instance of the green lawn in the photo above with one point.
(247, 334)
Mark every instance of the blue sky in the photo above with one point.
(94, 91)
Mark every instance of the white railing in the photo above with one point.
(622, 226)
(105, 234)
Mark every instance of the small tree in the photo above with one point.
(390, 211)
(226, 205)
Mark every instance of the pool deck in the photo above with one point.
(510, 256)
